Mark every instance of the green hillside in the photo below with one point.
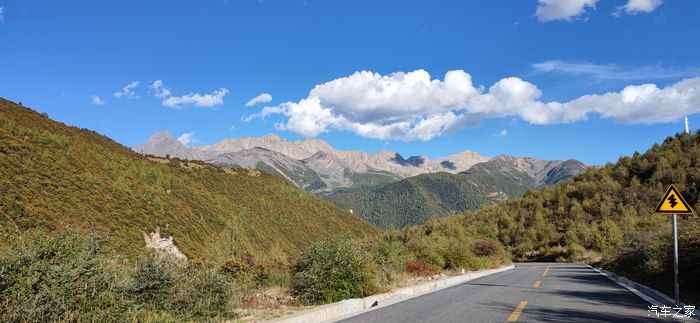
(606, 215)
(417, 199)
(54, 177)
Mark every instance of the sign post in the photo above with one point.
(674, 203)
(677, 284)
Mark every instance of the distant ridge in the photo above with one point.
(301, 163)
(415, 200)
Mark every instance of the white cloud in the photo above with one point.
(412, 106)
(266, 112)
(262, 98)
(634, 7)
(159, 89)
(501, 133)
(96, 100)
(611, 71)
(206, 100)
(550, 10)
(128, 91)
(2, 15)
(187, 139)
(646, 103)
(407, 106)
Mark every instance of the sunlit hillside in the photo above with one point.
(54, 177)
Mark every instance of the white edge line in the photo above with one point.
(629, 288)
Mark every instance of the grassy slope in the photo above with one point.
(53, 176)
(417, 199)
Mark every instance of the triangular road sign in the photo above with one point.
(673, 202)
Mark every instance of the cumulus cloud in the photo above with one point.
(262, 98)
(645, 103)
(409, 106)
(128, 91)
(159, 89)
(413, 106)
(2, 15)
(610, 71)
(96, 100)
(199, 100)
(187, 139)
(634, 7)
(550, 10)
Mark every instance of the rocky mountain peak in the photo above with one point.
(415, 160)
(163, 136)
(160, 141)
(272, 136)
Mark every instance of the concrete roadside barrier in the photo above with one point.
(355, 306)
(652, 296)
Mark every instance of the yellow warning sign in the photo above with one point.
(673, 202)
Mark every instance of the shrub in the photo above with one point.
(486, 248)
(330, 271)
(67, 277)
(417, 268)
(203, 293)
(64, 277)
(456, 255)
(163, 284)
(151, 283)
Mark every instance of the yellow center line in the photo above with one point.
(514, 317)
(537, 284)
(546, 270)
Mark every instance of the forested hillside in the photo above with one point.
(417, 199)
(606, 215)
(54, 177)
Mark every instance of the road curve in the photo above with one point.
(532, 292)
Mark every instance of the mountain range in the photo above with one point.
(384, 188)
(311, 164)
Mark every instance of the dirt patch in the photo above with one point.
(159, 160)
(190, 165)
(230, 171)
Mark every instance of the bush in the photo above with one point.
(456, 255)
(203, 293)
(486, 248)
(418, 268)
(163, 284)
(152, 281)
(67, 277)
(330, 271)
(64, 277)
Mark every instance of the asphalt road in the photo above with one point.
(534, 292)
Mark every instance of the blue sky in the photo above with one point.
(537, 69)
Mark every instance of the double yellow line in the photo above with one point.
(519, 310)
(514, 317)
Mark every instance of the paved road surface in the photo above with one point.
(534, 292)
